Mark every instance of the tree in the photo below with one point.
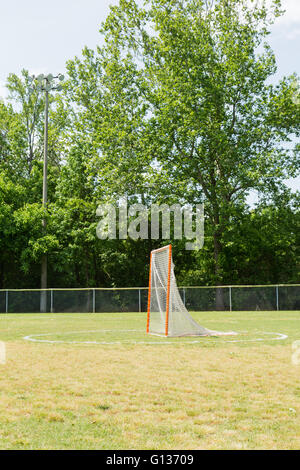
(185, 103)
(27, 105)
(21, 137)
(12, 141)
(175, 107)
(266, 243)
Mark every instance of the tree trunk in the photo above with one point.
(220, 304)
(1, 276)
(87, 284)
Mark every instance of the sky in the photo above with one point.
(41, 36)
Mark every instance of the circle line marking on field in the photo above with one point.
(36, 338)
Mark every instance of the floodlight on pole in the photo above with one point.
(45, 83)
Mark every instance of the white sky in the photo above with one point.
(41, 36)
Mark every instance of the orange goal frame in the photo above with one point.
(168, 247)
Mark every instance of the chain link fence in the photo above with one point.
(233, 298)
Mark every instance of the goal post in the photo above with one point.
(167, 314)
(159, 296)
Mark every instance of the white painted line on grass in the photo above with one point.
(35, 338)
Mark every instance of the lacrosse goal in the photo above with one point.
(167, 315)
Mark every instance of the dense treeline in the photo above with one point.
(176, 107)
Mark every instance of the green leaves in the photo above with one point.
(175, 107)
(213, 122)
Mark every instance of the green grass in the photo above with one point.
(97, 381)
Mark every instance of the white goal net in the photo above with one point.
(167, 315)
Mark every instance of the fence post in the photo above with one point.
(6, 301)
(51, 301)
(140, 301)
(277, 299)
(183, 296)
(94, 301)
(230, 299)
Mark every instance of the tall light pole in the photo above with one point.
(45, 83)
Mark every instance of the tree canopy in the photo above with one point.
(178, 105)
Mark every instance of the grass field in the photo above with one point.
(97, 381)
